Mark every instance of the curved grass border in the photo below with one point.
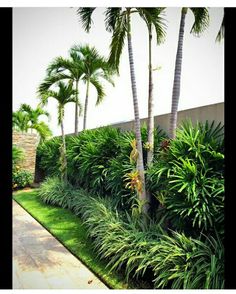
(70, 231)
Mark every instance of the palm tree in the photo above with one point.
(63, 95)
(65, 69)
(27, 118)
(201, 22)
(152, 18)
(95, 68)
(20, 121)
(118, 21)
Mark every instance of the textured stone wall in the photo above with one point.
(28, 142)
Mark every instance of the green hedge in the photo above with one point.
(187, 175)
(97, 160)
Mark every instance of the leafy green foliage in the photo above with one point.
(47, 157)
(89, 154)
(97, 160)
(17, 155)
(21, 178)
(181, 262)
(173, 261)
(56, 192)
(188, 176)
(27, 118)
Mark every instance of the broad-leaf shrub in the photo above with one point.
(21, 178)
(189, 178)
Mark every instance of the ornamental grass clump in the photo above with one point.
(181, 262)
(54, 191)
(169, 259)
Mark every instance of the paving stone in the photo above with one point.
(42, 262)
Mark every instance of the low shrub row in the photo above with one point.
(174, 260)
(20, 178)
(97, 160)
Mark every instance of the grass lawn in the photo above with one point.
(71, 232)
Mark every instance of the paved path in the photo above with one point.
(41, 262)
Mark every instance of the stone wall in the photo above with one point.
(28, 142)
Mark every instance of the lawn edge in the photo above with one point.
(79, 258)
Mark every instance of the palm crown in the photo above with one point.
(117, 22)
(64, 94)
(27, 118)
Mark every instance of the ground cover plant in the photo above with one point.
(181, 243)
(172, 259)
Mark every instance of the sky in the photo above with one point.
(42, 33)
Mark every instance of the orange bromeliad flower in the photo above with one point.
(134, 181)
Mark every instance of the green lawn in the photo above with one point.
(70, 231)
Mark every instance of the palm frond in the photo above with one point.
(58, 65)
(118, 40)
(85, 15)
(42, 129)
(20, 121)
(153, 17)
(99, 88)
(49, 81)
(201, 20)
(221, 32)
(111, 16)
(25, 107)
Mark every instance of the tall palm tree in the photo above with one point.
(63, 95)
(66, 69)
(201, 22)
(27, 118)
(153, 19)
(95, 69)
(118, 21)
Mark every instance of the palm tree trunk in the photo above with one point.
(150, 104)
(86, 104)
(76, 108)
(63, 155)
(177, 77)
(140, 165)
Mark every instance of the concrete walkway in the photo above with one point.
(41, 262)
